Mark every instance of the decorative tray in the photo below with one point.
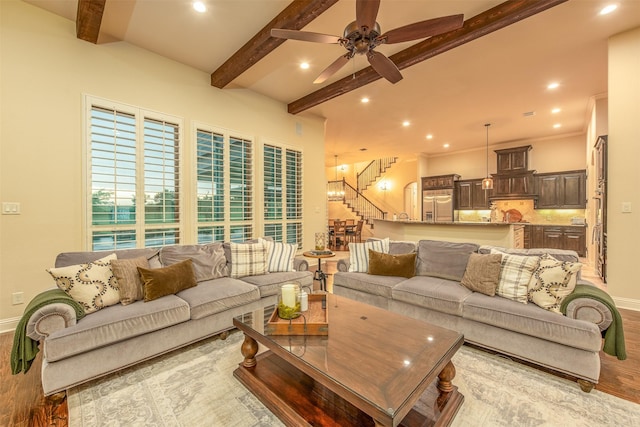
(314, 321)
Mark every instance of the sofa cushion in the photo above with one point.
(359, 253)
(248, 259)
(160, 282)
(532, 320)
(482, 273)
(93, 284)
(130, 285)
(208, 260)
(269, 284)
(398, 247)
(552, 281)
(381, 264)
(280, 256)
(434, 293)
(515, 275)
(215, 296)
(70, 258)
(446, 260)
(114, 324)
(376, 285)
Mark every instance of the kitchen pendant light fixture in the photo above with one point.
(487, 183)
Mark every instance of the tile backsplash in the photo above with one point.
(529, 214)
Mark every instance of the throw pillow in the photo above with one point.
(92, 284)
(359, 253)
(129, 282)
(248, 259)
(280, 256)
(552, 281)
(515, 274)
(382, 264)
(482, 273)
(447, 260)
(208, 260)
(159, 282)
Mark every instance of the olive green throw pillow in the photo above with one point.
(482, 273)
(382, 264)
(159, 282)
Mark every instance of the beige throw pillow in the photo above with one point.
(129, 281)
(552, 281)
(482, 273)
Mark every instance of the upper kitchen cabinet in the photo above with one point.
(562, 190)
(513, 159)
(471, 196)
(439, 182)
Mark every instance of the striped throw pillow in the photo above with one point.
(280, 256)
(359, 253)
(515, 275)
(248, 259)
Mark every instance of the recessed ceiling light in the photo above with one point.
(364, 100)
(429, 136)
(608, 9)
(199, 6)
(553, 85)
(446, 145)
(557, 125)
(304, 65)
(555, 110)
(406, 123)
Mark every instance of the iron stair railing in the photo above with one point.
(356, 201)
(373, 171)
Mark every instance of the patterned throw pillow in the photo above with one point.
(359, 253)
(552, 281)
(248, 259)
(280, 256)
(515, 274)
(129, 282)
(93, 284)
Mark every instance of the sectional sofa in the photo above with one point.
(119, 335)
(566, 343)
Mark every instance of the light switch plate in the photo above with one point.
(10, 208)
(626, 207)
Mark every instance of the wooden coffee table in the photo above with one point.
(370, 370)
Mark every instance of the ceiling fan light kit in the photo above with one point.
(363, 35)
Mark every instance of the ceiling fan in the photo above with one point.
(364, 34)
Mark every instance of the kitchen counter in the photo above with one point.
(484, 233)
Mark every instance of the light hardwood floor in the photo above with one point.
(25, 406)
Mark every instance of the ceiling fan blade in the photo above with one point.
(384, 66)
(333, 68)
(366, 13)
(305, 36)
(422, 29)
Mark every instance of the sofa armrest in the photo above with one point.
(50, 318)
(590, 310)
(343, 265)
(300, 264)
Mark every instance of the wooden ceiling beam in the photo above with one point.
(501, 16)
(89, 19)
(294, 17)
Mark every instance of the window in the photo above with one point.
(224, 186)
(282, 169)
(133, 177)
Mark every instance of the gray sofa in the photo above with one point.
(75, 351)
(569, 344)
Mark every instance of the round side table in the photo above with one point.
(319, 275)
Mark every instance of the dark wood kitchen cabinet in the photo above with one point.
(471, 196)
(562, 190)
(557, 237)
(513, 185)
(513, 159)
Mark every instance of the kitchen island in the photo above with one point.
(508, 235)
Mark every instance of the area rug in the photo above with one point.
(195, 387)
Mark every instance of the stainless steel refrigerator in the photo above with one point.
(437, 205)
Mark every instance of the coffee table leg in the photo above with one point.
(444, 384)
(249, 349)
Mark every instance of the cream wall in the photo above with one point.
(44, 73)
(624, 173)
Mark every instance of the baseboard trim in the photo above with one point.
(9, 325)
(627, 303)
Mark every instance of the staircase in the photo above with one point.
(373, 171)
(355, 200)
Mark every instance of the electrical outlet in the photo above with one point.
(17, 298)
(626, 207)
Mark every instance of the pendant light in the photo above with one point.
(487, 183)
